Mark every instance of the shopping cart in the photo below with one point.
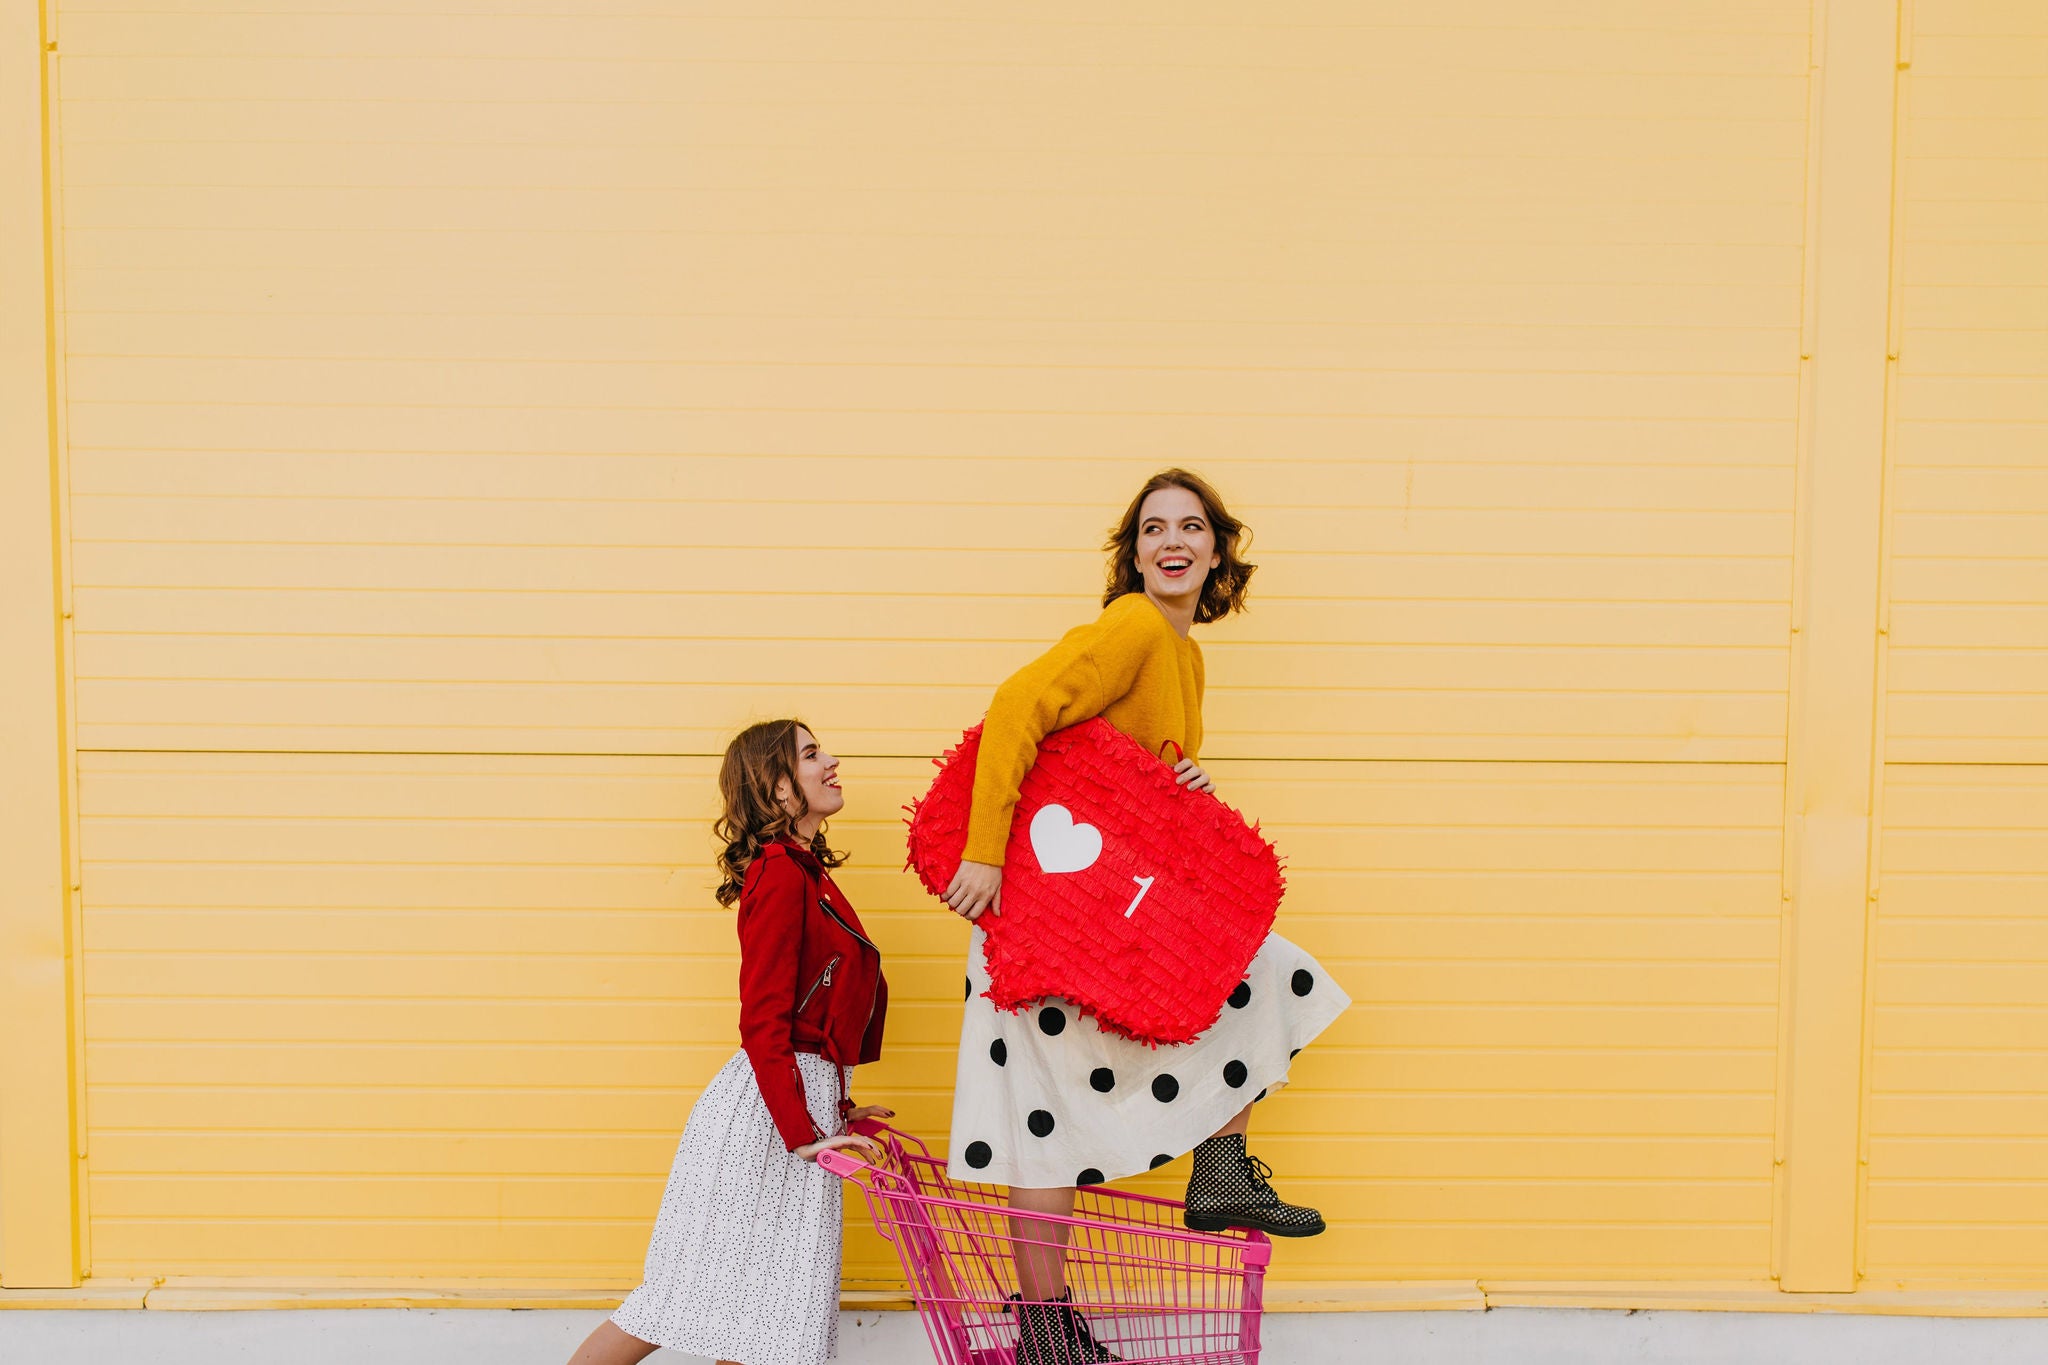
(1150, 1290)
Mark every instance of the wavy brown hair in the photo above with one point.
(760, 757)
(1224, 589)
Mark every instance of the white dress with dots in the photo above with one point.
(1045, 1098)
(744, 1261)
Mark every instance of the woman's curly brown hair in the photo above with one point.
(1224, 589)
(759, 758)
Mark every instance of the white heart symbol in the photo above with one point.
(1062, 845)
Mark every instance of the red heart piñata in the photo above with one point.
(1137, 900)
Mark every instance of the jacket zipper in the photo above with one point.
(874, 991)
(824, 979)
(826, 906)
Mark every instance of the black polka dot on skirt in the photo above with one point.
(1256, 1098)
(1234, 1074)
(1160, 1160)
(999, 1052)
(1304, 981)
(1103, 1079)
(1242, 996)
(1091, 1176)
(968, 994)
(978, 1155)
(1293, 1053)
(1040, 1123)
(1165, 1088)
(1052, 1022)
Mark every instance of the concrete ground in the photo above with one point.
(1501, 1336)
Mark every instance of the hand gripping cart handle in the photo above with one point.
(1148, 1289)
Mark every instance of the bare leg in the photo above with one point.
(1241, 1124)
(1041, 1246)
(608, 1345)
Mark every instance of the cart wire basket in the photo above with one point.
(1148, 1289)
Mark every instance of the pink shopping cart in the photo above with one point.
(1149, 1289)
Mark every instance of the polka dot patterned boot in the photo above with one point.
(1230, 1188)
(1054, 1334)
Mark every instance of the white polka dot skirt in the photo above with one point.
(744, 1261)
(1045, 1098)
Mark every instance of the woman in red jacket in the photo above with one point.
(744, 1262)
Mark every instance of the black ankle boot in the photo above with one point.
(1054, 1334)
(1229, 1189)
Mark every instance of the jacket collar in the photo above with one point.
(797, 851)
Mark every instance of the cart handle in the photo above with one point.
(836, 1161)
(841, 1162)
(875, 1128)
(1255, 1248)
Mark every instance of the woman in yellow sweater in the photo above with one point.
(1045, 1101)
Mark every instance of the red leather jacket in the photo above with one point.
(810, 981)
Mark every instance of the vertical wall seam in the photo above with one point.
(67, 683)
(1829, 756)
(1894, 335)
(1795, 658)
(39, 1119)
(60, 438)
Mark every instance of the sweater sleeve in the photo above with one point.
(1076, 679)
(771, 931)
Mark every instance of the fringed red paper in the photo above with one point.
(1137, 900)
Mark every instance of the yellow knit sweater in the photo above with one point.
(1129, 666)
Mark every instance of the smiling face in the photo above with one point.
(1176, 545)
(817, 776)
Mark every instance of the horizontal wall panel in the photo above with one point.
(269, 326)
(570, 153)
(1957, 1190)
(316, 572)
(645, 498)
(537, 284)
(484, 719)
(1095, 437)
(1958, 1185)
(1968, 656)
(1038, 37)
(1299, 490)
(417, 1100)
(629, 324)
(380, 993)
(289, 382)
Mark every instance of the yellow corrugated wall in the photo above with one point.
(472, 417)
(1958, 1170)
(608, 381)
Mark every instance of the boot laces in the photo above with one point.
(1078, 1326)
(1058, 1326)
(1261, 1176)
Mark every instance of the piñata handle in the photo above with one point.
(1178, 752)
